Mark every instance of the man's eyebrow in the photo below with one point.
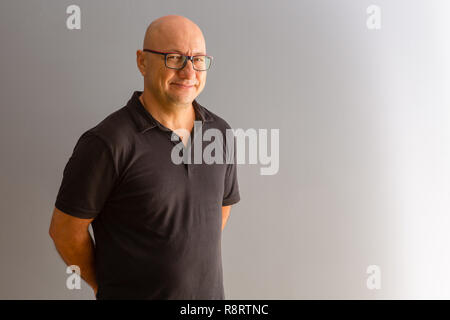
(194, 53)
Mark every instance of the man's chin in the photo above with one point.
(177, 100)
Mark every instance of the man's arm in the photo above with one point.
(74, 243)
(225, 214)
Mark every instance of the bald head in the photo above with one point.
(170, 87)
(174, 32)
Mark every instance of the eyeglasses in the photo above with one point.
(178, 61)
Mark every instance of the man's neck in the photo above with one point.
(172, 117)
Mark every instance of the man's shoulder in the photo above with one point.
(115, 129)
(216, 120)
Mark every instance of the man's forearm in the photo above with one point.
(79, 252)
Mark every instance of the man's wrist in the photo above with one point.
(95, 288)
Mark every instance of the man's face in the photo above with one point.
(176, 87)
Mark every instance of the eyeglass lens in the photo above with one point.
(177, 61)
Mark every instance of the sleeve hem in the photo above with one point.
(75, 212)
(231, 200)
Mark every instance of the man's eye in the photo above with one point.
(199, 59)
(174, 58)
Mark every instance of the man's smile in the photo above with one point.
(183, 86)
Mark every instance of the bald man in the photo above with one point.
(157, 224)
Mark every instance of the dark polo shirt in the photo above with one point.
(157, 225)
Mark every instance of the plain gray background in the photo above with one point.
(364, 126)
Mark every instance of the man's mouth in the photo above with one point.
(183, 85)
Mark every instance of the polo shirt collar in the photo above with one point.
(144, 120)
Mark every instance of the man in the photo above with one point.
(157, 225)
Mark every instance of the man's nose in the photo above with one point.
(188, 70)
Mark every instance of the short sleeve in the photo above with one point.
(88, 178)
(231, 189)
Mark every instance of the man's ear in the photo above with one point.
(141, 62)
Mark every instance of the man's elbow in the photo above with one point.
(55, 235)
(52, 232)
